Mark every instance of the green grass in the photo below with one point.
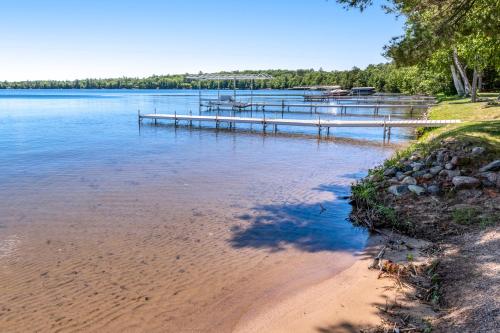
(465, 216)
(481, 126)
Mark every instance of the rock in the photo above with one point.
(434, 189)
(460, 160)
(408, 173)
(429, 159)
(464, 182)
(417, 174)
(418, 190)
(417, 166)
(493, 166)
(400, 176)
(449, 173)
(394, 181)
(489, 178)
(409, 181)
(449, 166)
(440, 157)
(428, 176)
(478, 151)
(435, 170)
(390, 172)
(398, 190)
(407, 168)
(414, 157)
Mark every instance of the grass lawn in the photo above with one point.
(480, 126)
(481, 123)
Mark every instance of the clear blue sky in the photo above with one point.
(68, 39)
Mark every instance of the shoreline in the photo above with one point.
(331, 305)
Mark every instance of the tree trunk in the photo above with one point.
(474, 86)
(456, 81)
(461, 70)
(480, 82)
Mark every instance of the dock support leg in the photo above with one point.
(328, 131)
(388, 134)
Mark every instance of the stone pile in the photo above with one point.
(442, 170)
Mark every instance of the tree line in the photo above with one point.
(387, 77)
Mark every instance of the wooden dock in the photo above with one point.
(318, 123)
(263, 105)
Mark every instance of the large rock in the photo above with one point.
(417, 166)
(449, 166)
(478, 151)
(428, 176)
(417, 174)
(418, 190)
(398, 190)
(449, 173)
(464, 182)
(435, 170)
(393, 181)
(409, 181)
(493, 166)
(389, 172)
(400, 176)
(434, 189)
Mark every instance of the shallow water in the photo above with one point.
(108, 225)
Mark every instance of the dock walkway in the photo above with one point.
(318, 123)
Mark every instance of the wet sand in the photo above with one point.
(101, 258)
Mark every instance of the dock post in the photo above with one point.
(199, 97)
(217, 121)
(175, 118)
(190, 121)
(139, 117)
(282, 106)
(388, 134)
(155, 118)
(328, 131)
(319, 127)
(264, 124)
(384, 129)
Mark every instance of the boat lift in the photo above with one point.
(226, 101)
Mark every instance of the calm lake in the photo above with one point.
(106, 225)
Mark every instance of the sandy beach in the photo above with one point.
(345, 302)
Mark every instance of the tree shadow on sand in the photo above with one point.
(310, 227)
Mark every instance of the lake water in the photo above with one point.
(106, 225)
